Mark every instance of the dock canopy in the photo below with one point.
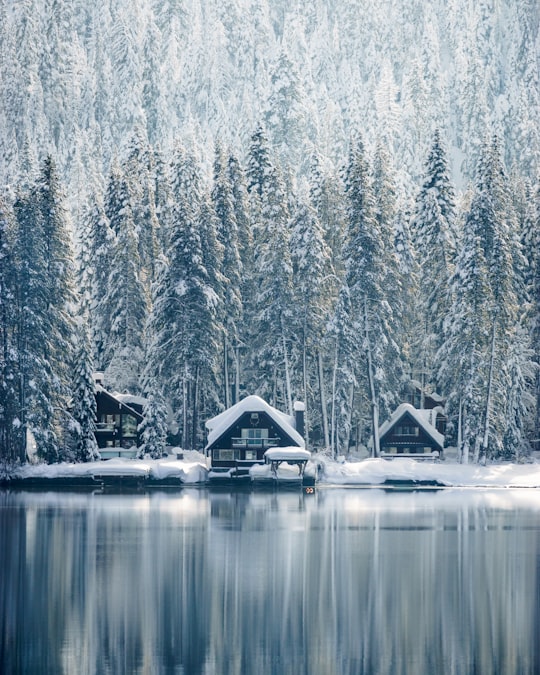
(291, 455)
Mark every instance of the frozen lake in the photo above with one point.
(343, 582)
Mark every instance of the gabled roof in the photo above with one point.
(219, 424)
(424, 418)
(121, 399)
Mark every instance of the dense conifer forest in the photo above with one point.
(329, 201)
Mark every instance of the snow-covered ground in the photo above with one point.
(449, 474)
(192, 469)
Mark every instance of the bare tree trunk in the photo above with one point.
(460, 434)
(237, 383)
(287, 375)
(350, 424)
(324, 411)
(306, 419)
(487, 417)
(226, 372)
(334, 382)
(375, 451)
(184, 408)
(195, 410)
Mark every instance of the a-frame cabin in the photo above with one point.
(239, 436)
(411, 432)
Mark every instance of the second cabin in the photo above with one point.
(411, 433)
(239, 436)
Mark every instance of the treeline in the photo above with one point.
(196, 285)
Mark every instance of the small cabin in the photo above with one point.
(411, 432)
(239, 436)
(118, 417)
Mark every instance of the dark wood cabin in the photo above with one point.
(117, 421)
(239, 437)
(410, 431)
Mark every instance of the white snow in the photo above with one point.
(368, 472)
(220, 423)
(449, 474)
(192, 469)
(287, 455)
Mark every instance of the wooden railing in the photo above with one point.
(254, 442)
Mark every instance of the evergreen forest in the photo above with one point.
(331, 201)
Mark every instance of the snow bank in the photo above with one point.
(377, 471)
(192, 469)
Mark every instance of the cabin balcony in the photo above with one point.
(255, 443)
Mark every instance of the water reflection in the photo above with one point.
(347, 581)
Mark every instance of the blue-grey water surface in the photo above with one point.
(340, 582)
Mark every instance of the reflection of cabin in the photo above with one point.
(118, 416)
(239, 436)
(410, 431)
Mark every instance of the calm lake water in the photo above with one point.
(341, 582)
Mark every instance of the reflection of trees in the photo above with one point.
(344, 582)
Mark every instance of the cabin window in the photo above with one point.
(254, 436)
(251, 454)
(407, 430)
(225, 455)
(129, 425)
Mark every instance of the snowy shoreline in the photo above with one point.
(192, 470)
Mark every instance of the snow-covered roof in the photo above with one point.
(219, 424)
(127, 400)
(424, 418)
(287, 455)
(130, 399)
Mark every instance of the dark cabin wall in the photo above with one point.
(391, 438)
(244, 422)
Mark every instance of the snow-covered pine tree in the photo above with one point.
(97, 263)
(534, 238)
(210, 340)
(83, 409)
(11, 440)
(497, 229)
(231, 268)
(139, 172)
(344, 340)
(183, 321)
(240, 199)
(462, 357)
(287, 119)
(153, 428)
(368, 257)
(409, 272)
(434, 235)
(327, 195)
(46, 298)
(126, 301)
(314, 285)
(274, 299)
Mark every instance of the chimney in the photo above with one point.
(98, 378)
(299, 410)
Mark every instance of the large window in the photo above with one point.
(254, 436)
(407, 430)
(129, 425)
(225, 455)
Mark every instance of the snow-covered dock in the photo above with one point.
(192, 470)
